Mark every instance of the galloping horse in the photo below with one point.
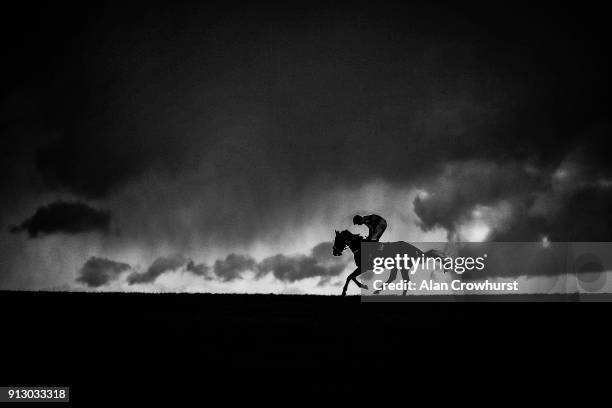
(347, 239)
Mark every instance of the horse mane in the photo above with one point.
(347, 232)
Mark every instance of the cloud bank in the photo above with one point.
(98, 272)
(319, 263)
(64, 217)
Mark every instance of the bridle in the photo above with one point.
(348, 243)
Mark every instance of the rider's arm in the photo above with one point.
(371, 221)
(368, 222)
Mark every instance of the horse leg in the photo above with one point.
(391, 278)
(406, 277)
(348, 279)
(352, 277)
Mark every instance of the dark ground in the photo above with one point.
(173, 346)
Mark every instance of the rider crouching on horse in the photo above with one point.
(375, 223)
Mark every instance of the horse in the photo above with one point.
(346, 239)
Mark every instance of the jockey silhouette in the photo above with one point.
(375, 223)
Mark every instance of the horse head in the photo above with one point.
(339, 244)
(342, 241)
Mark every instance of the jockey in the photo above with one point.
(375, 223)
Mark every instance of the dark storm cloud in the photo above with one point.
(64, 217)
(97, 272)
(327, 91)
(238, 120)
(323, 252)
(453, 196)
(87, 167)
(158, 267)
(287, 268)
(580, 215)
(565, 202)
(293, 268)
(233, 266)
(576, 205)
(199, 269)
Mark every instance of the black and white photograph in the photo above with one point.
(195, 188)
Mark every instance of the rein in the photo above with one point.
(348, 245)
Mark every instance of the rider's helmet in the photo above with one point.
(358, 220)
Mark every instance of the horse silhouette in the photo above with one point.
(346, 239)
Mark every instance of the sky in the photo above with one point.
(215, 147)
